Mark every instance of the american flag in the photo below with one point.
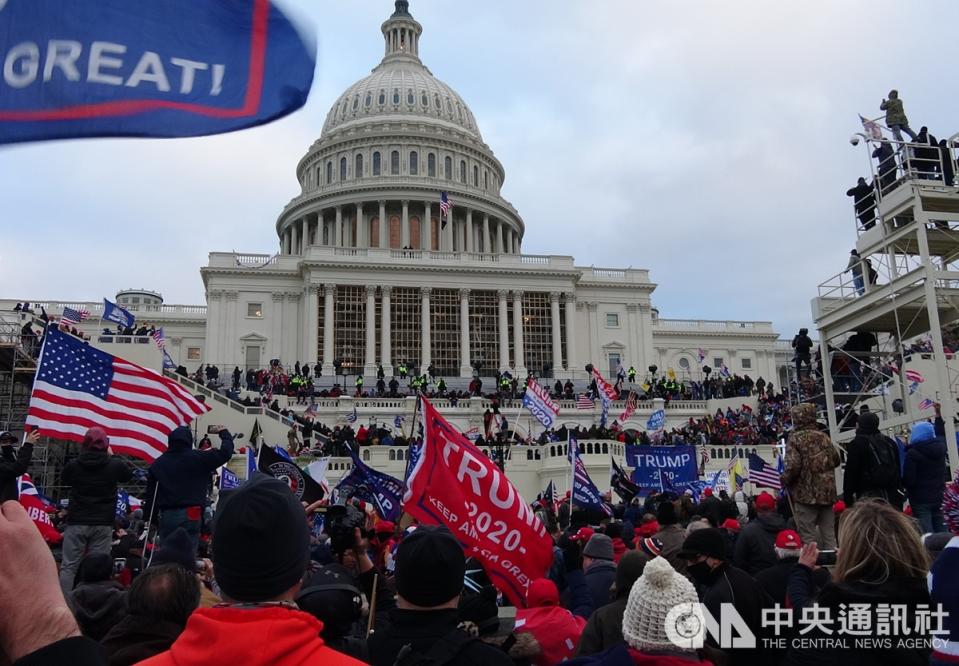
(914, 376)
(704, 454)
(926, 403)
(701, 355)
(78, 386)
(630, 407)
(762, 473)
(584, 402)
(445, 204)
(159, 338)
(871, 127)
(71, 316)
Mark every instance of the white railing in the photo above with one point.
(95, 308)
(255, 259)
(713, 325)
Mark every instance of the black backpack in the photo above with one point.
(443, 651)
(882, 468)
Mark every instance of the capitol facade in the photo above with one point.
(368, 270)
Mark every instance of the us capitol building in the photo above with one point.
(367, 273)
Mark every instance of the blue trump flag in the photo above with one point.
(123, 503)
(381, 490)
(116, 314)
(669, 465)
(153, 69)
(228, 480)
(656, 420)
(584, 493)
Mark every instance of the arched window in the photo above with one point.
(396, 95)
(342, 168)
(358, 168)
(475, 176)
(394, 162)
(356, 102)
(426, 101)
(414, 163)
(439, 106)
(431, 165)
(463, 171)
(605, 447)
(392, 454)
(448, 168)
(369, 99)
(376, 163)
(382, 98)
(329, 172)
(366, 455)
(410, 97)
(400, 454)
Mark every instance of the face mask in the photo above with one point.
(699, 571)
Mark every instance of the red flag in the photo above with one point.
(454, 484)
(37, 512)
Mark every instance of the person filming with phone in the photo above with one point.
(178, 480)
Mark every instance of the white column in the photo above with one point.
(384, 227)
(329, 292)
(294, 240)
(518, 353)
(370, 362)
(508, 239)
(426, 228)
(465, 369)
(385, 340)
(517, 243)
(405, 231)
(594, 341)
(486, 237)
(304, 235)
(338, 240)
(503, 330)
(571, 332)
(295, 337)
(468, 247)
(448, 232)
(557, 340)
(499, 238)
(426, 352)
(231, 349)
(278, 316)
(362, 228)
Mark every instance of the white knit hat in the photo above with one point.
(653, 596)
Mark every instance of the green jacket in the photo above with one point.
(895, 113)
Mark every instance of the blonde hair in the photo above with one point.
(878, 542)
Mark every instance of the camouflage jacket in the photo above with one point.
(810, 460)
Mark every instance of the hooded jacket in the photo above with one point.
(180, 477)
(755, 547)
(93, 477)
(861, 463)
(268, 636)
(135, 638)
(924, 473)
(555, 629)
(97, 607)
(599, 579)
(13, 465)
(810, 460)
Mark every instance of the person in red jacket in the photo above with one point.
(260, 554)
(555, 629)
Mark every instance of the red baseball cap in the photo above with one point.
(731, 524)
(584, 534)
(708, 492)
(765, 502)
(542, 592)
(788, 540)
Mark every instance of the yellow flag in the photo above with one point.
(671, 374)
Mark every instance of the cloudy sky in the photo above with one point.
(706, 141)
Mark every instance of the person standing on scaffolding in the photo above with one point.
(896, 116)
(802, 343)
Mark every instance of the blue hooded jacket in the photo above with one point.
(924, 472)
(181, 476)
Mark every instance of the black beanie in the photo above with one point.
(177, 548)
(330, 594)
(430, 566)
(666, 513)
(261, 542)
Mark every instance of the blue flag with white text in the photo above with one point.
(116, 314)
(656, 465)
(151, 69)
(381, 490)
(656, 420)
(228, 480)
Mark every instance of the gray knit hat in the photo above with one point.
(599, 547)
(657, 592)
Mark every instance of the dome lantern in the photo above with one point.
(401, 32)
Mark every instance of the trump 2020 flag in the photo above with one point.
(153, 69)
(381, 490)
(585, 493)
(116, 314)
(228, 480)
(543, 408)
(78, 387)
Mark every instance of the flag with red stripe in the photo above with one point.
(78, 386)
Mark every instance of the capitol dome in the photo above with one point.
(392, 144)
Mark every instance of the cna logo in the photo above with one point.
(687, 626)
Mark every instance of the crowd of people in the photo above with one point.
(257, 579)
